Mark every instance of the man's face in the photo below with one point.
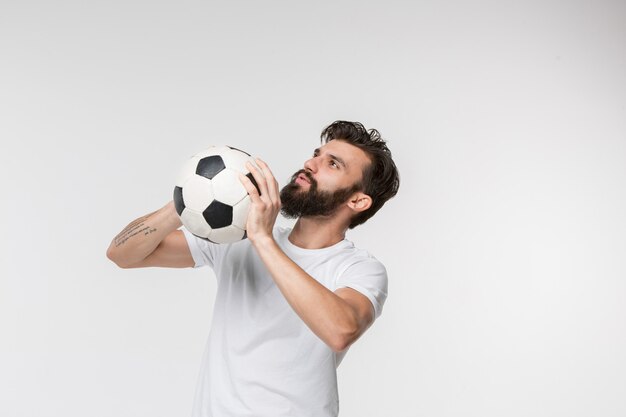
(328, 179)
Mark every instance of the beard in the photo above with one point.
(296, 202)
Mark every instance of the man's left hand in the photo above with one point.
(266, 206)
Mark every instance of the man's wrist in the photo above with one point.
(173, 219)
(262, 241)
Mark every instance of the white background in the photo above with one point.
(505, 245)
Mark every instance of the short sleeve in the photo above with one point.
(369, 277)
(202, 251)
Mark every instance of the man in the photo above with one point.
(289, 302)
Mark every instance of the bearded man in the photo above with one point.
(290, 301)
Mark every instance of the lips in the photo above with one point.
(303, 178)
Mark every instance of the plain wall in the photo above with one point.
(505, 245)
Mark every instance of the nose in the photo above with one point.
(311, 165)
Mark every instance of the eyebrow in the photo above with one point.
(335, 157)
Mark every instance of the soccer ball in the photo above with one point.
(210, 199)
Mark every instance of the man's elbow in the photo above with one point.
(340, 346)
(343, 341)
(115, 259)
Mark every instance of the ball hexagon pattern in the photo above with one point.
(194, 200)
(208, 196)
(218, 215)
(210, 166)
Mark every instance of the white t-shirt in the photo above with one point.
(261, 359)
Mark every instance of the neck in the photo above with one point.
(317, 232)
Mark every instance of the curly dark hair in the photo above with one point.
(381, 179)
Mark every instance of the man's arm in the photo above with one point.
(152, 240)
(338, 318)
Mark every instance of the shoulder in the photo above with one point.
(353, 261)
(366, 274)
(356, 255)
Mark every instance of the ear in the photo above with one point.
(360, 202)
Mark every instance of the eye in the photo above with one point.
(333, 164)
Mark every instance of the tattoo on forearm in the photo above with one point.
(136, 227)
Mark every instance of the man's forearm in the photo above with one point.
(323, 311)
(142, 236)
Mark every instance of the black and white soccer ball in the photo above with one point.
(210, 199)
